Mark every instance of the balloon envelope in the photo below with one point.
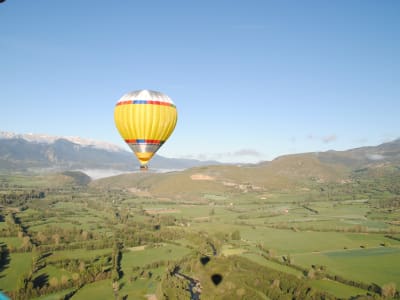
(145, 119)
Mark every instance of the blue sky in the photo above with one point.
(252, 80)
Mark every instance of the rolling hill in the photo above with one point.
(287, 172)
(32, 152)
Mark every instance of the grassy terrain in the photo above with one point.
(20, 263)
(147, 256)
(128, 235)
(55, 296)
(77, 254)
(140, 276)
(12, 241)
(97, 290)
(273, 265)
(376, 265)
(336, 288)
(142, 285)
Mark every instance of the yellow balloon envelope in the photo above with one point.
(145, 119)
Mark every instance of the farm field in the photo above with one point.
(374, 265)
(83, 241)
(336, 288)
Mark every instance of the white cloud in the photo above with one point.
(361, 141)
(329, 138)
(247, 152)
(241, 155)
(375, 156)
(325, 139)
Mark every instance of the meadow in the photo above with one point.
(61, 239)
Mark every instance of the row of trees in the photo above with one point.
(36, 283)
(20, 198)
(320, 272)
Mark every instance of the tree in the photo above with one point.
(75, 276)
(271, 252)
(64, 280)
(82, 266)
(53, 282)
(236, 235)
(289, 259)
(41, 237)
(26, 243)
(311, 273)
(389, 290)
(56, 238)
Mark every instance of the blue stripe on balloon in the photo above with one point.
(139, 102)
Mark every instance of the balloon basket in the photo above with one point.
(144, 168)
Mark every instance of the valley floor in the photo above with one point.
(72, 241)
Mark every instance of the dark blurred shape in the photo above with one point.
(204, 260)
(216, 279)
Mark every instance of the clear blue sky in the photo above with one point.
(252, 80)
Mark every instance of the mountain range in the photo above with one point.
(40, 152)
(30, 152)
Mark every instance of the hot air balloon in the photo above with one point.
(145, 119)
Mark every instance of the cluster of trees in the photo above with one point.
(14, 228)
(145, 271)
(56, 235)
(246, 280)
(174, 287)
(364, 184)
(20, 198)
(116, 257)
(388, 203)
(320, 272)
(35, 283)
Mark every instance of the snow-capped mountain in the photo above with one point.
(27, 152)
(50, 139)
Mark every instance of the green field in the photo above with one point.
(20, 263)
(273, 265)
(376, 265)
(12, 241)
(147, 256)
(336, 288)
(55, 296)
(142, 285)
(100, 242)
(97, 290)
(77, 254)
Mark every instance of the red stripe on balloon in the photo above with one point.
(124, 102)
(154, 102)
(143, 141)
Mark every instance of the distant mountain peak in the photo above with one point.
(50, 139)
(40, 152)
